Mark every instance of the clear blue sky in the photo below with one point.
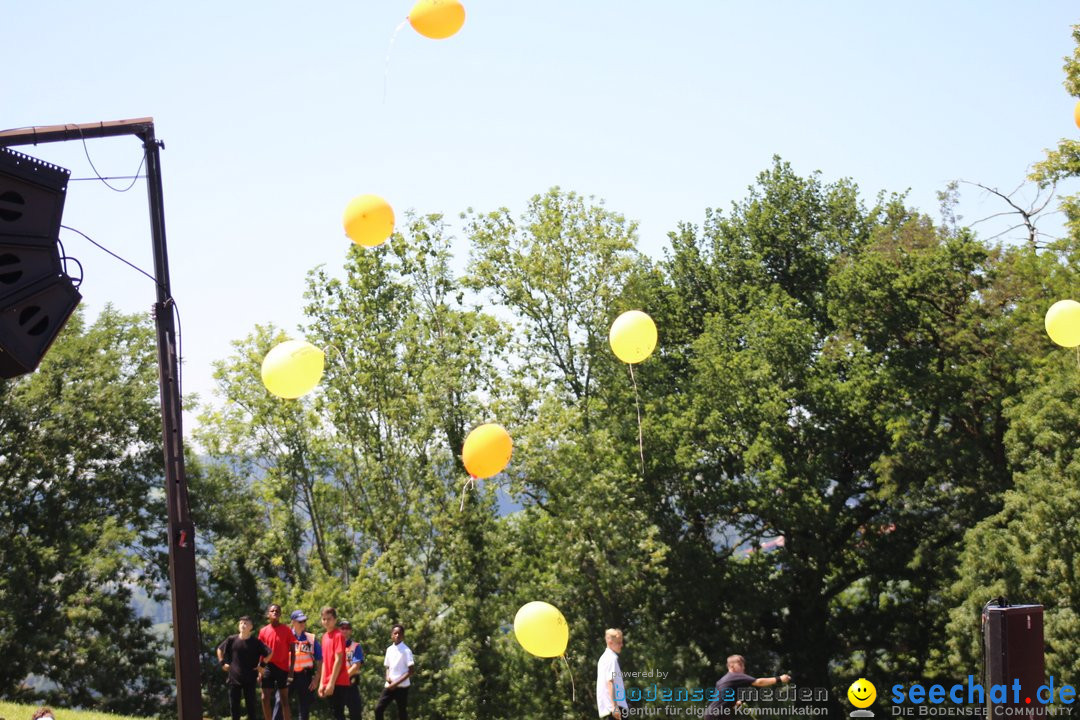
(274, 116)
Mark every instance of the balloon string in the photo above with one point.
(332, 346)
(471, 481)
(386, 68)
(637, 406)
(573, 688)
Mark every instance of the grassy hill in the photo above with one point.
(15, 711)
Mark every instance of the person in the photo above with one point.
(335, 675)
(610, 692)
(399, 668)
(278, 671)
(43, 713)
(239, 656)
(354, 660)
(306, 666)
(735, 678)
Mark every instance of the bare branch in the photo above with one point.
(1003, 196)
(1029, 215)
(990, 217)
(1006, 231)
(1042, 207)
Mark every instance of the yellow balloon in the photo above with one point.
(633, 336)
(541, 629)
(292, 368)
(437, 19)
(369, 220)
(1063, 323)
(487, 450)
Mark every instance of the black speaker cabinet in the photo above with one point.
(23, 263)
(1013, 644)
(36, 295)
(30, 320)
(31, 196)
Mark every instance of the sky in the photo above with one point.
(274, 115)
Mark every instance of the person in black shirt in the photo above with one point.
(239, 656)
(729, 684)
(354, 660)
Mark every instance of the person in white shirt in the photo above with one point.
(399, 668)
(610, 692)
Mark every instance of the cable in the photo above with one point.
(78, 282)
(64, 257)
(179, 347)
(86, 151)
(99, 245)
(111, 177)
(170, 301)
(175, 308)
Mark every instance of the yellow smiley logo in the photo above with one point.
(862, 693)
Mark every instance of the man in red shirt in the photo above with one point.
(335, 671)
(278, 672)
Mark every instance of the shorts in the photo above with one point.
(275, 678)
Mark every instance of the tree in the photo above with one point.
(83, 520)
(1024, 551)
(825, 417)
(843, 404)
(359, 485)
(583, 540)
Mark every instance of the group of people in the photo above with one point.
(611, 694)
(287, 660)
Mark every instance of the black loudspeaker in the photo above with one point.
(31, 320)
(1013, 645)
(36, 295)
(31, 196)
(21, 264)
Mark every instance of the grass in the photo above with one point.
(15, 711)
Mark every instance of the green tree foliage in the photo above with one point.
(844, 397)
(354, 498)
(839, 394)
(584, 538)
(82, 521)
(1025, 551)
(825, 417)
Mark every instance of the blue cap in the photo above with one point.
(299, 616)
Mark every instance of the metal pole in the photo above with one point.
(181, 531)
(185, 597)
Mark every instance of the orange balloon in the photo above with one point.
(1076, 114)
(369, 220)
(487, 450)
(437, 19)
